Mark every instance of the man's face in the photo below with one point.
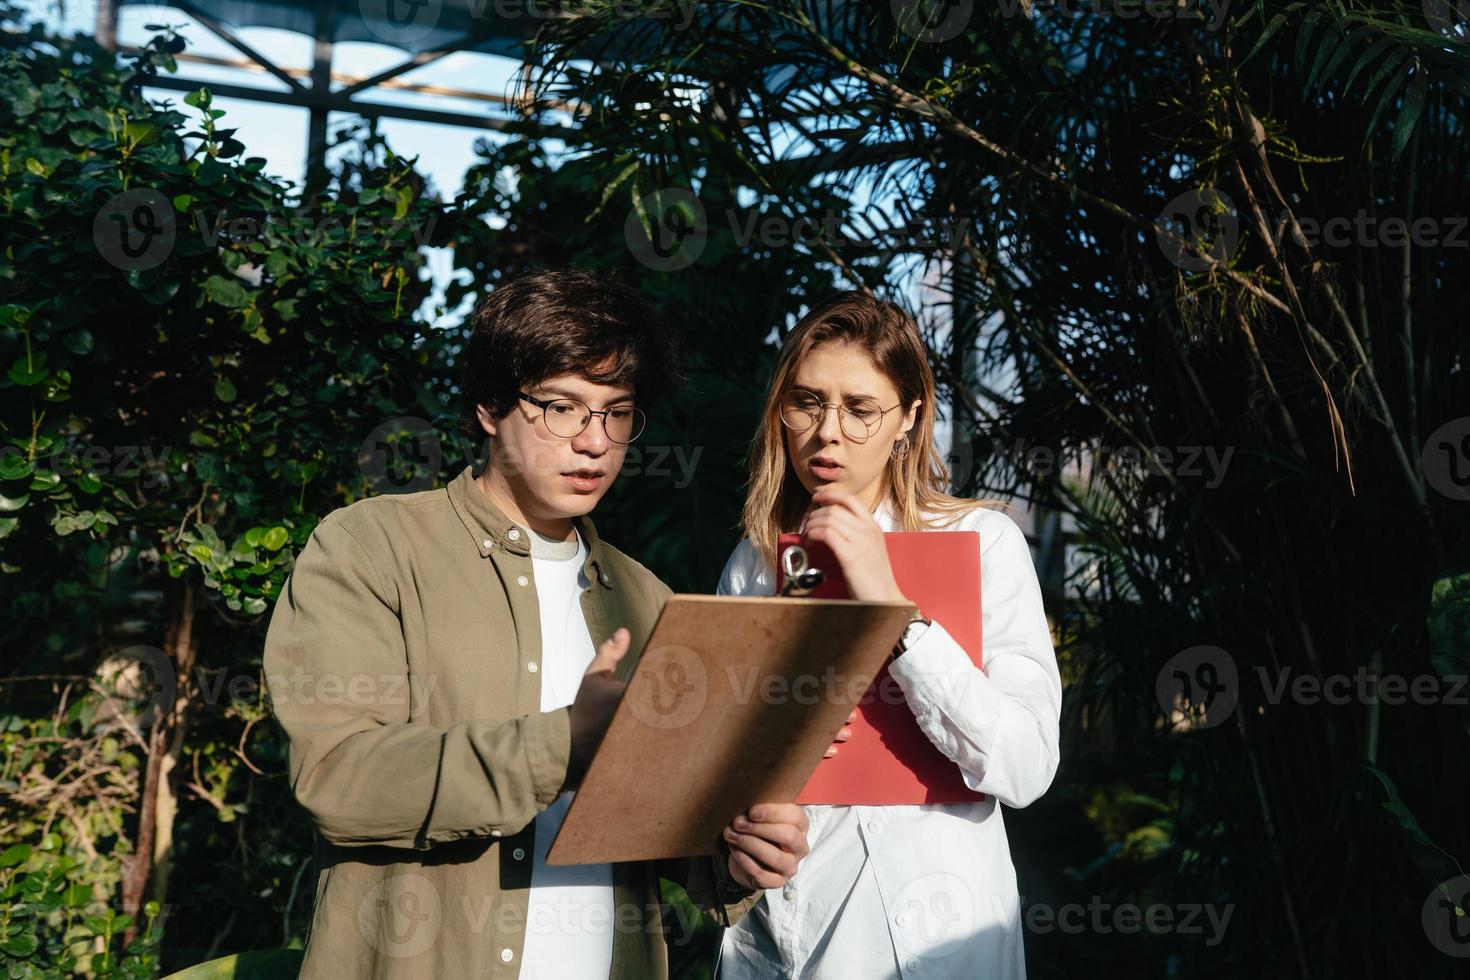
(550, 476)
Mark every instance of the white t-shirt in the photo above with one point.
(569, 921)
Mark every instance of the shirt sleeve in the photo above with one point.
(743, 574)
(998, 723)
(359, 767)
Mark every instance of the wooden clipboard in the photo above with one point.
(733, 702)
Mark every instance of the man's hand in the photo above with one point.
(767, 844)
(597, 699)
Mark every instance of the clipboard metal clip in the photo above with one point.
(800, 578)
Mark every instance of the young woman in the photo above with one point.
(845, 452)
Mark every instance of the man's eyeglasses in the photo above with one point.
(859, 417)
(567, 417)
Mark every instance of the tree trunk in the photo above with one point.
(158, 806)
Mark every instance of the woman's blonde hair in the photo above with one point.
(915, 486)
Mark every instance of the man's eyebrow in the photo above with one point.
(564, 393)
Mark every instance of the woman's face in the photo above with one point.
(830, 453)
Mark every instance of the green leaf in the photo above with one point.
(1383, 44)
(226, 292)
(202, 552)
(1304, 38)
(8, 504)
(1409, 115)
(1386, 98)
(33, 373)
(198, 98)
(78, 341)
(14, 466)
(275, 538)
(21, 946)
(224, 390)
(15, 854)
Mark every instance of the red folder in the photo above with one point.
(889, 759)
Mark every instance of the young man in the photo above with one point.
(444, 664)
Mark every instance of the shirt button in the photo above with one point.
(789, 892)
(874, 826)
(514, 535)
(913, 965)
(522, 580)
(604, 578)
(531, 666)
(495, 833)
(506, 955)
(488, 542)
(902, 920)
(519, 854)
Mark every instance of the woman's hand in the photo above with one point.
(838, 520)
(842, 736)
(767, 844)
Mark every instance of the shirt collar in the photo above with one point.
(491, 529)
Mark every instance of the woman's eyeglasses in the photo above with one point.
(858, 417)
(567, 417)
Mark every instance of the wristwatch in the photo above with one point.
(911, 634)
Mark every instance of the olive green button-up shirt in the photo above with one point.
(402, 661)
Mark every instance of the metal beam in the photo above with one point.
(332, 103)
(245, 64)
(416, 62)
(224, 33)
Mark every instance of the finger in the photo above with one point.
(830, 752)
(842, 501)
(843, 735)
(612, 650)
(767, 856)
(792, 813)
(851, 717)
(782, 836)
(749, 872)
(831, 496)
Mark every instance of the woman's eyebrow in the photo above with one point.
(850, 396)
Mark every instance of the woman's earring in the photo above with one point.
(900, 448)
